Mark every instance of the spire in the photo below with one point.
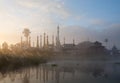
(21, 42)
(57, 39)
(33, 44)
(29, 41)
(44, 39)
(73, 41)
(53, 40)
(64, 40)
(37, 42)
(47, 41)
(58, 32)
(40, 41)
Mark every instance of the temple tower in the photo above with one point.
(29, 41)
(58, 38)
(47, 41)
(21, 42)
(73, 41)
(33, 44)
(44, 39)
(37, 45)
(40, 41)
(53, 40)
(64, 40)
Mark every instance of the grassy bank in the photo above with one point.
(15, 60)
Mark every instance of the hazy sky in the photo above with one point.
(79, 19)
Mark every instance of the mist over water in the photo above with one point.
(75, 72)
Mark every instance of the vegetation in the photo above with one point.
(11, 60)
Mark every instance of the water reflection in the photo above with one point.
(26, 79)
(82, 72)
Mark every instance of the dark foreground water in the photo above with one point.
(66, 72)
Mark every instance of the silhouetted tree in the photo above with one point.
(5, 46)
(26, 33)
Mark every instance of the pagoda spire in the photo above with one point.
(29, 41)
(73, 41)
(44, 39)
(47, 41)
(33, 44)
(21, 41)
(40, 41)
(64, 40)
(37, 42)
(53, 40)
(58, 38)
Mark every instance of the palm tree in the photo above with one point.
(26, 33)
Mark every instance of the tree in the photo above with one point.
(5, 46)
(5, 49)
(26, 33)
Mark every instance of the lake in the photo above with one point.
(66, 72)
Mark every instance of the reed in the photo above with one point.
(15, 60)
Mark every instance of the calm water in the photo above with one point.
(78, 72)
